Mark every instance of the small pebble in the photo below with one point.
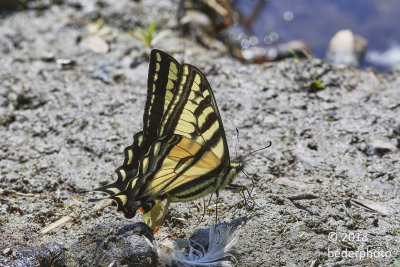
(95, 44)
(48, 57)
(396, 130)
(376, 147)
(65, 64)
(5, 251)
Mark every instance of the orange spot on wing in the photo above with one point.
(140, 209)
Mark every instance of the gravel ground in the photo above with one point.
(328, 185)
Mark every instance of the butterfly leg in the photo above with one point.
(216, 207)
(205, 205)
(242, 189)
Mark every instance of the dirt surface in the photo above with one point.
(328, 185)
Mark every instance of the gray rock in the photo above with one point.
(50, 254)
(377, 147)
(346, 48)
(109, 245)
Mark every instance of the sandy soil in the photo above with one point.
(329, 183)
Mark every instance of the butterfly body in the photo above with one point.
(182, 151)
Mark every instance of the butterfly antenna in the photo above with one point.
(257, 150)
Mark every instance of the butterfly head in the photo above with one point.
(238, 167)
(235, 169)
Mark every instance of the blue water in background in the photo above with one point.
(317, 21)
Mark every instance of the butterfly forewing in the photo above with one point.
(162, 78)
(193, 113)
(198, 164)
(161, 83)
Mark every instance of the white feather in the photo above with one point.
(221, 241)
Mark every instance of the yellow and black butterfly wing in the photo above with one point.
(200, 160)
(171, 167)
(187, 171)
(193, 113)
(128, 200)
(161, 82)
(191, 159)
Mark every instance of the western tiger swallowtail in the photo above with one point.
(182, 152)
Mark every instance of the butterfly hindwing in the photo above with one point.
(186, 172)
(129, 167)
(183, 169)
(129, 200)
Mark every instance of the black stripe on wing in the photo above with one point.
(129, 200)
(193, 113)
(187, 171)
(129, 168)
(161, 82)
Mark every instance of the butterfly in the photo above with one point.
(181, 153)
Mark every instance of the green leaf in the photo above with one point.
(317, 84)
(294, 55)
(396, 264)
(150, 30)
(142, 33)
(265, 85)
(161, 35)
(147, 37)
(70, 206)
(136, 37)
